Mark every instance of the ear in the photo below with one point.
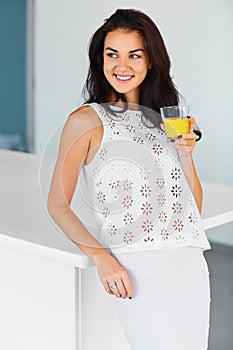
(149, 66)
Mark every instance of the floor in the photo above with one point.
(220, 262)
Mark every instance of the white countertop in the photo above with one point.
(25, 224)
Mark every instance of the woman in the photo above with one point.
(142, 189)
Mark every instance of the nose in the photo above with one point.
(122, 65)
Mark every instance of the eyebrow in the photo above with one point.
(132, 51)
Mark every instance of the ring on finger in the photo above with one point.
(112, 286)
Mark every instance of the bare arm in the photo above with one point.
(74, 147)
(185, 147)
(192, 179)
(73, 150)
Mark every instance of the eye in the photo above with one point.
(112, 55)
(134, 55)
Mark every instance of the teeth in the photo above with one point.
(125, 77)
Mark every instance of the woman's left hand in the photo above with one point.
(186, 143)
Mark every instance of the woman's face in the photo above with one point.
(125, 62)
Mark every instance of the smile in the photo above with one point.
(123, 77)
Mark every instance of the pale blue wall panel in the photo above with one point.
(13, 67)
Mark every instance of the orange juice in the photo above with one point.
(176, 126)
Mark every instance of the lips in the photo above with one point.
(123, 78)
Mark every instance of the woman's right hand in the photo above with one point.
(112, 273)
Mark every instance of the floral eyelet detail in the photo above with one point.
(145, 191)
(128, 237)
(146, 208)
(147, 226)
(176, 174)
(176, 191)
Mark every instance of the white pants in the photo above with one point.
(171, 304)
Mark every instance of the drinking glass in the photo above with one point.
(175, 120)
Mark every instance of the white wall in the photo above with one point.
(198, 35)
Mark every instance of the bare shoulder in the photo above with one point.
(83, 129)
(84, 117)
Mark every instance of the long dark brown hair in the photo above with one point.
(157, 89)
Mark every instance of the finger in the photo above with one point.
(186, 140)
(115, 288)
(118, 288)
(189, 136)
(128, 285)
(180, 141)
(185, 143)
(192, 122)
(162, 126)
(106, 287)
(122, 290)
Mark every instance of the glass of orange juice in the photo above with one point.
(175, 120)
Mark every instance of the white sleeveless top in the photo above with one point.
(133, 196)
